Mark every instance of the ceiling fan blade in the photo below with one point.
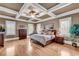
(37, 13)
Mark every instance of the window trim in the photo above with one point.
(6, 27)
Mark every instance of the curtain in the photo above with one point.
(65, 26)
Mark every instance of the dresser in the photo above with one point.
(59, 39)
(22, 34)
(1, 38)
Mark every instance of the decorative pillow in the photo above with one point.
(52, 33)
(49, 32)
(45, 33)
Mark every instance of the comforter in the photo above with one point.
(42, 38)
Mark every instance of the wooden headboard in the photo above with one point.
(54, 32)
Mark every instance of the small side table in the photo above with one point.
(59, 39)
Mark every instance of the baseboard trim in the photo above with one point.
(9, 39)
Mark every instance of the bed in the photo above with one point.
(44, 39)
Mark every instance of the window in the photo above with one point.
(65, 26)
(30, 29)
(10, 28)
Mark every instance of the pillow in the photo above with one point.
(49, 33)
(45, 33)
(52, 33)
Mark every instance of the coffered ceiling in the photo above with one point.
(48, 5)
(45, 11)
(13, 6)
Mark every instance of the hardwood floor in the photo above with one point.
(28, 48)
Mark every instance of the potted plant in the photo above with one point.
(2, 29)
(77, 33)
(74, 31)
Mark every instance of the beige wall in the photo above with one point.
(75, 20)
(18, 26)
(55, 22)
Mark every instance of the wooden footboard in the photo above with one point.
(47, 43)
(50, 41)
(36, 42)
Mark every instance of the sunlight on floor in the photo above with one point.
(29, 46)
(10, 51)
(64, 53)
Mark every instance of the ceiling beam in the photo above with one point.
(51, 14)
(25, 6)
(44, 10)
(59, 6)
(50, 18)
(68, 13)
(36, 5)
(40, 6)
(21, 10)
(8, 10)
(41, 14)
(62, 15)
(25, 21)
(7, 17)
(30, 17)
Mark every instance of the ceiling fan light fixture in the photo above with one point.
(33, 13)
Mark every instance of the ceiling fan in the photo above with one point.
(32, 12)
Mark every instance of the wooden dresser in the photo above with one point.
(1, 39)
(59, 39)
(22, 33)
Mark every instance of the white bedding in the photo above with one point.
(42, 38)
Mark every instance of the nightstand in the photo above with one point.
(59, 39)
